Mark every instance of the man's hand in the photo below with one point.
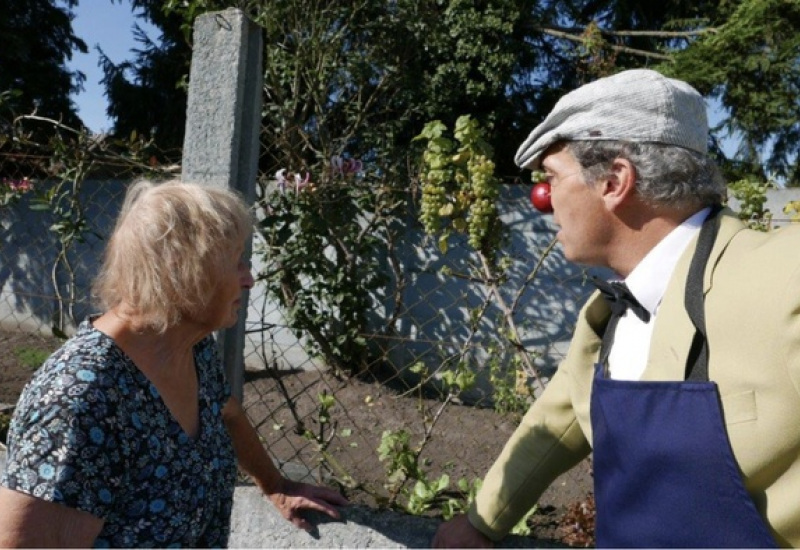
(459, 533)
(291, 498)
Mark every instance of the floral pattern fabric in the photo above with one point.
(90, 431)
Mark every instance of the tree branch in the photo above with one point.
(616, 48)
(577, 31)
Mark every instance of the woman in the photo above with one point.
(128, 435)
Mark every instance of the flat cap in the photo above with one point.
(638, 105)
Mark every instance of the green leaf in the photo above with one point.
(443, 243)
(418, 368)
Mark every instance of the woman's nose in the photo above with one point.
(246, 277)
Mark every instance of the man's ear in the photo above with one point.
(620, 183)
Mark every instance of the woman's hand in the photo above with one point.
(291, 498)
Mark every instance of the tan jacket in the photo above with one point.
(752, 286)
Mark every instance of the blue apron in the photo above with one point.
(664, 470)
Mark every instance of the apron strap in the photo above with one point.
(694, 299)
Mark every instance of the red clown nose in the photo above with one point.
(540, 197)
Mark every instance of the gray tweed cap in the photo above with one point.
(639, 105)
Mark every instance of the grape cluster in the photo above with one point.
(434, 200)
(483, 210)
(459, 186)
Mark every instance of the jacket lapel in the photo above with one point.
(674, 331)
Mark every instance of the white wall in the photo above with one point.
(437, 306)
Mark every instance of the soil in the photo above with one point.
(463, 442)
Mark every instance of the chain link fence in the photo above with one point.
(398, 413)
(54, 222)
(46, 266)
(318, 423)
(389, 432)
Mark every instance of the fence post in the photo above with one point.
(223, 122)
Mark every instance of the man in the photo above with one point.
(690, 398)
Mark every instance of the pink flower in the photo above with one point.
(22, 185)
(345, 167)
(352, 166)
(19, 186)
(280, 177)
(300, 183)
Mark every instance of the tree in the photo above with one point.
(37, 42)
(744, 53)
(147, 94)
(751, 63)
(356, 80)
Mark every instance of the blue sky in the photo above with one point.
(110, 26)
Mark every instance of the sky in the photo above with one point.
(109, 25)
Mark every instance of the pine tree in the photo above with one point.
(38, 40)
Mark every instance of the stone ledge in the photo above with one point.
(255, 523)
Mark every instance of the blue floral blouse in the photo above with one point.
(91, 432)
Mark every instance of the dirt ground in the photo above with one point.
(463, 444)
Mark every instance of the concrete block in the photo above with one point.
(223, 115)
(255, 523)
(223, 122)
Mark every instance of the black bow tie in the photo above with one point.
(620, 298)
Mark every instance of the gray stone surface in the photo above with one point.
(224, 102)
(256, 524)
(223, 121)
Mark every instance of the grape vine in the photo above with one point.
(459, 187)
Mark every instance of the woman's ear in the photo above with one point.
(620, 183)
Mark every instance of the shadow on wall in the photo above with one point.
(433, 317)
(437, 316)
(545, 292)
(36, 269)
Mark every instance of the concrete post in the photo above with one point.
(223, 122)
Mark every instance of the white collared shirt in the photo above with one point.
(648, 281)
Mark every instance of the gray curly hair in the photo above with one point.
(665, 174)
